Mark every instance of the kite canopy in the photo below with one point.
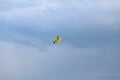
(58, 39)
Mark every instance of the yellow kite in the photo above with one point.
(58, 39)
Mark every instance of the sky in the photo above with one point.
(90, 49)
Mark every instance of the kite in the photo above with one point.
(58, 39)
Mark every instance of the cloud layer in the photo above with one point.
(21, 62)
(89, 49)
(94, 21)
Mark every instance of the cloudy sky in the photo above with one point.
(90, 49)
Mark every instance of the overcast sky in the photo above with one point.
(90, 49)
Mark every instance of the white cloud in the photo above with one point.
(91, 19)
(96, 13)
(29, 12)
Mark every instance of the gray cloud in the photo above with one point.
(58, 62)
